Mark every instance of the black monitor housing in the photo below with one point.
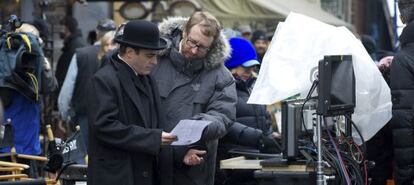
(336, 89)
(292, 125)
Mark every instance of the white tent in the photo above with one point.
(304, 7)
(229, 11)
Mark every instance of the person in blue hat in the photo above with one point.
(252, 129)
(243, 59)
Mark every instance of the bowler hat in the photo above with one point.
(141, 34)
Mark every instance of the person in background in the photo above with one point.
(43, 28)
(261, 43)
(402, 93)
(91, 38)
(246, 32)
(195, 84)
(252, 131)
(72, 100)
(371, 46)
(104, 26)
(379, 148)
(107, 44)
(45, 35)
(384, 66)
(72, 37)
(230, 33)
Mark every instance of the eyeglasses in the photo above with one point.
(192, 43)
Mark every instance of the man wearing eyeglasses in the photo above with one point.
(194, 84)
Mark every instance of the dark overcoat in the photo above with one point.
(402, 122)
(124, 140)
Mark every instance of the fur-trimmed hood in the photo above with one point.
(171, 27)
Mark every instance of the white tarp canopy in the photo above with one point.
(304, 7)
(294, 53)
(246, 10)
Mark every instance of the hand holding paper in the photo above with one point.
(188, 131)
(167, 138)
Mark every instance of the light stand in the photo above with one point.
(319, 168)
(348, 126)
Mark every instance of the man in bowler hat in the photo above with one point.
(126, 138)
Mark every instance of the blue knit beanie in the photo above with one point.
(243, 53)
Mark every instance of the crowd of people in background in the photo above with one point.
(129, 88)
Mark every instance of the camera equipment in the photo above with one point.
(21, 62)
(291, 125)
(55, 157)
(292, 131)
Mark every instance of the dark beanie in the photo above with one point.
(258, 35)
(70, 23)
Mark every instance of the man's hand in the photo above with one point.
(194, 157)
(167, 138)
(276, 135)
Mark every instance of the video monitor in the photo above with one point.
(336, 89)
(292, 127)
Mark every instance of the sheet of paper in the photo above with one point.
(188, 131)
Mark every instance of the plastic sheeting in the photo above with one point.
(289, 65)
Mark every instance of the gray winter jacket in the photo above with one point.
(197, 89)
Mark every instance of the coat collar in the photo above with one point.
(124, 75)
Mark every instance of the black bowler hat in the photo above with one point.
(141, 34)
